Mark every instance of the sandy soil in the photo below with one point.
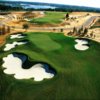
(68, 24)
(96, 34)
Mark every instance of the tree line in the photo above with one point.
(64, 8)
(4, 29)
(4, 7)
(81, 32)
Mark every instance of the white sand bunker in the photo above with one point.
(13, 65)
(13, 36)
(81, 44)
(12, 45)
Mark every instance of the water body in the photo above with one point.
(26, 6)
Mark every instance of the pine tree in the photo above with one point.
(85, 30)
(67, 16)
(74, 31)
(3, 30)
(8, 29)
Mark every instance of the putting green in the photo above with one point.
(44, 42)
(78, 72)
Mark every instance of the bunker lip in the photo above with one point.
(82, 44)
(39, 71)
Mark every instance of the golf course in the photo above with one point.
(76, 72)
(51, 18)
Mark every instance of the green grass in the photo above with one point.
(78, 72)
(44, 42)
(50, 18)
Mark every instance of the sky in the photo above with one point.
(89, 3)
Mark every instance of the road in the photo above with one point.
(88, 23)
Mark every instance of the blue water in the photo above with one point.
(36, 6)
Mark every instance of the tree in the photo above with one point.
(54, 29)
(67, 16)
(61, 30)
(91, 35)
(25, 26)
(8, 29)
(69, 33)
(3, 29)
(74, 30)
(85, 30)
(79, 32)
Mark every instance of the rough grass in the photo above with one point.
(78, 72)
(50, 18)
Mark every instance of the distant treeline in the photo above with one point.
(9, 6)
(4, 7)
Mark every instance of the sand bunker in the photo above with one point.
(12, 45)
(13, 65)
(13, 36)
(81, 44)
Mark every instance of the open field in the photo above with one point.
(78, 72)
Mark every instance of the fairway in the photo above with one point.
(44, 42)
(50, 18)
(77, 72)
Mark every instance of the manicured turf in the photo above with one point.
(50, 18)
(78, 72)
(44, 42)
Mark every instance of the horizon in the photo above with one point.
(94, 3)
